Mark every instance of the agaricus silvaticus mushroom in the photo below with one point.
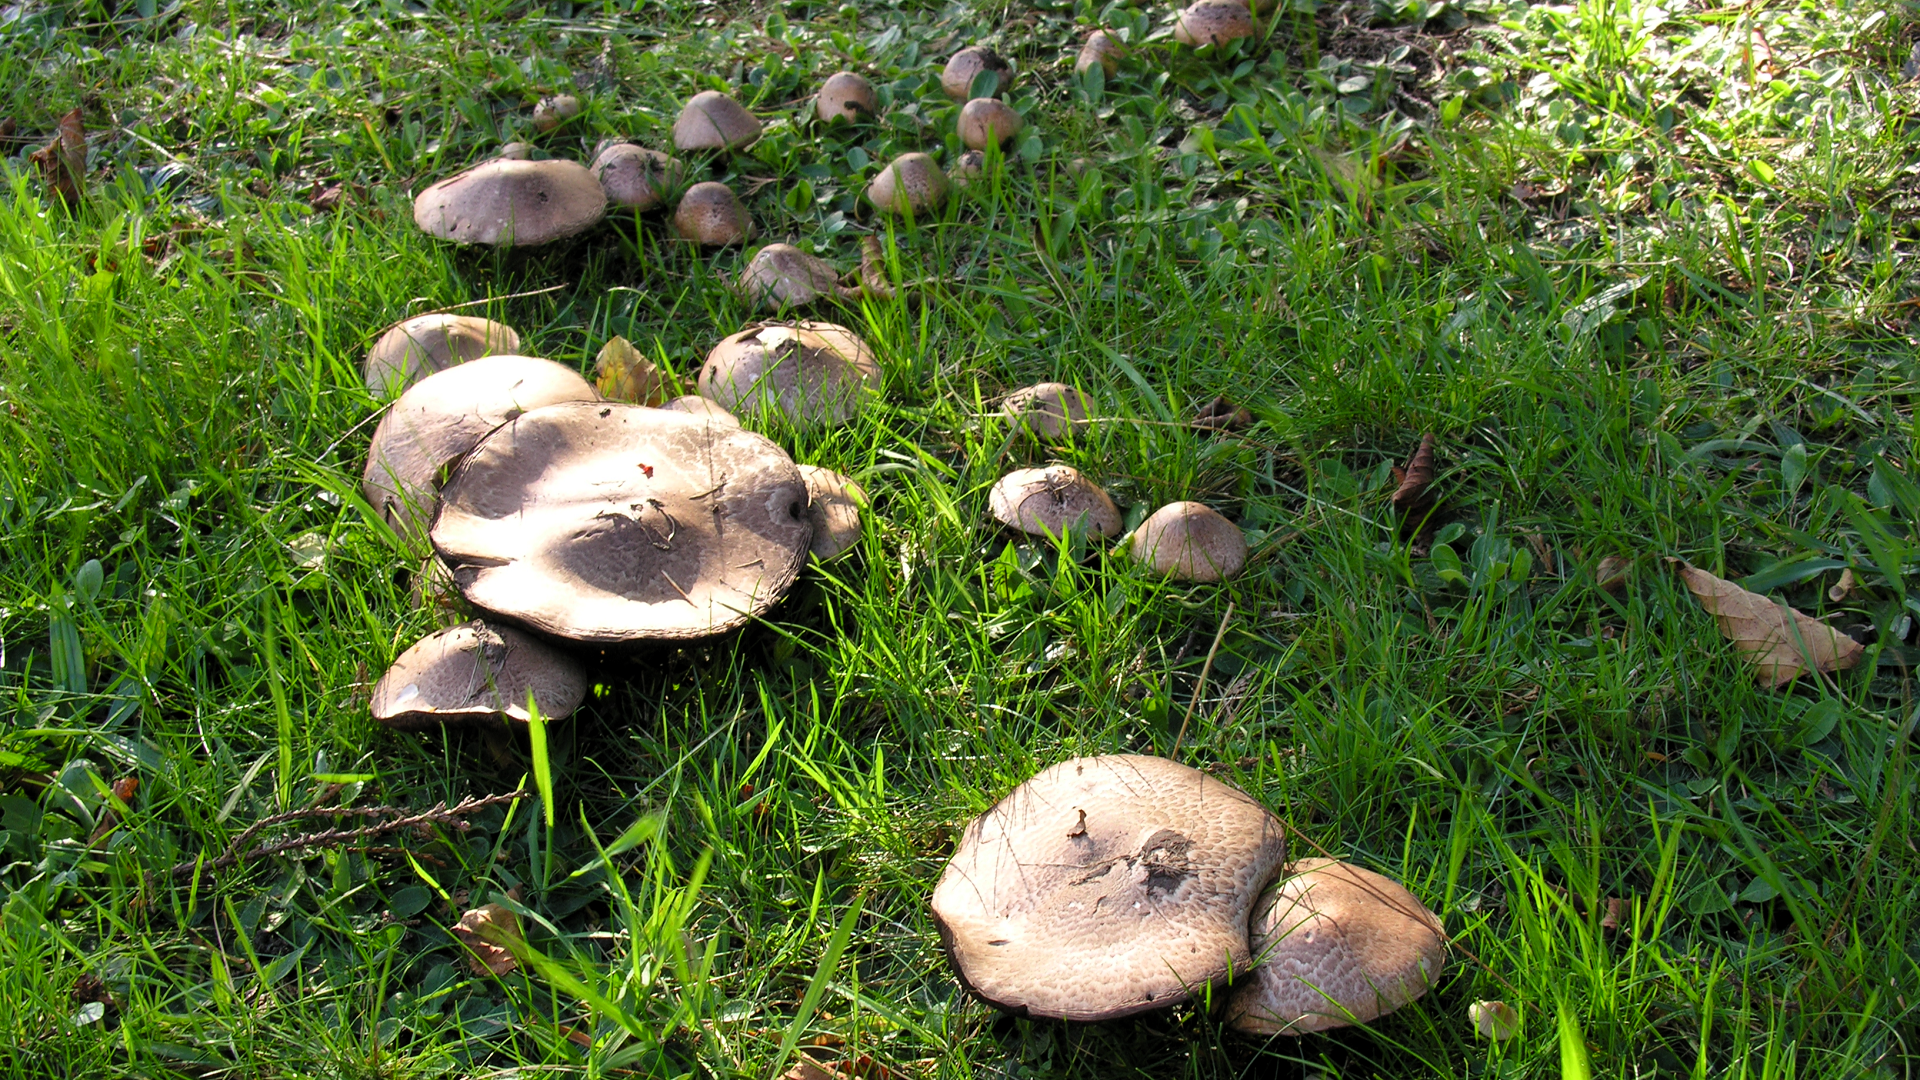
(412, 349)
(1101, 49)
(986, 121)
(845, 96)
(834, 509)
(1106, 886)
(635, 177)
(910, 184)
(1214, 22)
(712, 215)
(710, 120)
(956, 79)
(476, 671)
(550, 112)
(1052, 502)
(1337, 944)
(968, 167)
(613, 524)
(1190, 541)
(781, 275)
(1048, 410)
(514, 151)
(695, 405)
(442, 416)
(810, 372)
(512, 203)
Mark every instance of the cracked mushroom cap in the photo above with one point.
(636, 177)
(1337, 945)
(846, 96)
(1048, 410)
(412, 349)
(1214, 22)
(835, 510)
(1053, 501)
(695, 405)
(442, 417)
(613, 524)
(985, 121)
(911, 183)
(1106, 886)
(812, 372)
(1101, 49)
(1192, 542)
(967, 64)
(512, 203)
(475, 671)
(781, 275)
(711, 214)
(711, 120)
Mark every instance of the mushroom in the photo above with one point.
(1214, 22)
(551, 112)
(475, 671)
(910, 184)
(1102, 49)
(514, 151)
(811, 372)
(1192, 542)
(834, 507)
(507, 202)
(1053, 501)
(987, 121)
(711, 214)
(695, 405)
(1106, 886)
(966, 65)
(845, 96)
(781, 275)
(636, 177)
(969, 167)
(711, 120)
(1337, 945)
(613, 524)
(414, 348)
(1048, 410)
(442, 416)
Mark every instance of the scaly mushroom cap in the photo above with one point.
(1336, 945)
(711, 120)
(781, 275)
(1101, 48)
(551, 112)
(613, 524)
(636, 177)
(1192, 542)
(511, 203)
(412, 349)
(835, 510)
(709, 213)
(442, 417)
(1106, 886)
(1214, 22)
(695, 405)
(474, 671)
(911, 183)
(1053, 501)
(967, 64)
(1048, 410)
(984, 121)
(811, 372)
(846, 96)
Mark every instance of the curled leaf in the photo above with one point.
(1416, 476)
(1780, 642)
(63, 162)
(1843, 588)
(491, 933)
(1494, 1020)
(624, 373)
(1611, 574)
(1222, 415)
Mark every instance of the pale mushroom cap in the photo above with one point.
(1106, 886)
(911, 183)
(509, 202)
(614, 524)
(442, 417)
(550, 112)
(636, 177)
(1053, 501)
(781, 275)
(968, 167)
(1337, 945)
(695, 405)
(475, 671)
(1214, 22)
(811, 372)
(711, 120)
(1192, 542)
(1048, 410)
(835, 509)
(984, 121)
(846, 96)
(710, 213)
(1101, 48)
(956, 79)
(514, 151)
(412, 349)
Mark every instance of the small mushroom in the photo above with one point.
(550, 112)
(845, 96)
(1190, 541)
(1052, 502)
(514, 151)
(711, 120)
(835, 509)
(1102, 49)
(910, 184)
(1048, 410)
(508, 203)
(412, 349)
(475, 671)
(695, 405)
(781, 275)
(636, 177)
(810, 372)
(968, 167)
(986, 121)
(1214, 22)
(1337, 945)
(967, 64)
(711, 214)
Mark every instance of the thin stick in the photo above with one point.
(491, 299)
(1205, 670)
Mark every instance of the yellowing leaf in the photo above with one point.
(1778, 641)
(623, 373)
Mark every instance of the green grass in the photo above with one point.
(1650, 303)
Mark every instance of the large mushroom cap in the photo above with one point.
(911, 183)
(781, 275)
(1106, 886)
(1214, 22)
(812, 372)
(510, 203)
(710, 213)
(475, 671)
(835, 510)
(1048, 410)
(956, 79)
(1102, 49)
(846, 96)
(614, 524)
(986, 121)
(711, 120)
(442, 416)
(1191, 541)
(1053, 501)
(412, 349)
(636, 177)
(1337, 945)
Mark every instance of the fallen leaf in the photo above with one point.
(859, 1068)
(1842, 588)
(491, 933)
(1222, 415)
(63, 162)
(7, 128)
(1494, 1020)
(1416, 476)
(623, 373)
(1778, 641)
(325, 200)
(1615, 908)
(1611, 574)
(873, 270)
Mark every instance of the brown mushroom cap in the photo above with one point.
(508, 203)
(695, 405)
(412, 349)
(1191, 541)
(551, 112)
(811, 372)
(475, 671)
(781, 275)
(985, 121)
(967, 64)
(1048, 410)
(1214, 22)
(710, 213)
(1101, 48)
(613, 524)
(835, 509)
(911, 183)
(1337, 945)
(1053, 501)
(846, 96)
(442, 416)
(636, 177)
(711, 120)
(1106, 886)
(968, 167)
(514, 151)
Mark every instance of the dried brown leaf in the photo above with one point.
(490, 933)
(1611, 574)
(624, 373)
(63, 162)
(1780, 642)
(858, 1068)
(1222, 415)
(1842, 588)
(1416, 476)
(1616, 907)
(7, 127)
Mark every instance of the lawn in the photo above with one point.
(1644, 273)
